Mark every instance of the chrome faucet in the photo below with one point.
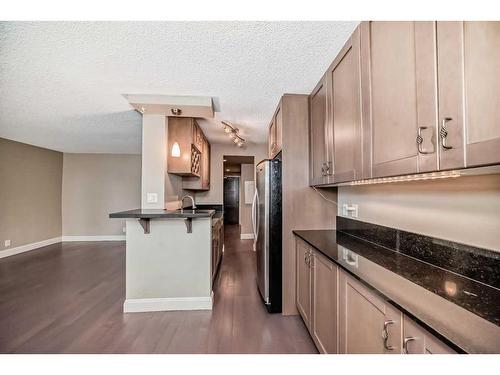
(192, 202)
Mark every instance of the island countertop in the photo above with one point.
(162, 214)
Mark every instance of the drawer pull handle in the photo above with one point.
(406, 341)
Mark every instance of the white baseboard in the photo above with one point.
(28, 247)
(246, 236)
(93, 238)
(167, 304)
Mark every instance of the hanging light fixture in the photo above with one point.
(176, 150)
(233, 134)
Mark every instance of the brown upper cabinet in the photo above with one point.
(275, 131)
(320, 164)
(469, 93)
(345, 111)
(407, 97)
(193, 162)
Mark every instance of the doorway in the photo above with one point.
(239, 172)
(231, 200)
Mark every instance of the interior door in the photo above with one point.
(367, 324)
(318, 158)
(232, 200)
(402, 96)
(346, 111)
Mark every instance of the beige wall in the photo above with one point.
(30, 193)
(464, 209)
(215, 194)
(94, 185)
(247, 174)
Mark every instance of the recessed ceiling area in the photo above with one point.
(61, 83)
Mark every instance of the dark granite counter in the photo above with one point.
(162, 214)
(416, 283)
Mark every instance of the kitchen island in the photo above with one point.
(169, 260)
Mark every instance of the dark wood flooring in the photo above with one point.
(67, 298)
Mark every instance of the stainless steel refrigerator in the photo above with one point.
(266, 221)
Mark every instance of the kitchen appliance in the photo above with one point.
(266, 221)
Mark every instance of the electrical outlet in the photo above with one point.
(152, 197)
(124, 229)
(354, 211)
(7, 243)
(350, 210)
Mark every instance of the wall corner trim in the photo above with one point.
(132, 305)
(28, 247)
(246, 236)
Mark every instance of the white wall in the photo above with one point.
(93, 186)
(215, 194)
(464, 209)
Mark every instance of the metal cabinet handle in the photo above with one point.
(329, 168)
(420, 140)
(405, 343)
(385, 334)
(326, 168)
(443, 133)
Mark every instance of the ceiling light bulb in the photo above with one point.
(231, 135)
(226, 129)
(240, 144)
(235, 140)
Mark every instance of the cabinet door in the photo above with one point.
(318, 158)
(367, 324)
(303, 282)
(278, 121)
(402, 95)
(324, 309)
(417, 340)
(345, 104)
(469, 81)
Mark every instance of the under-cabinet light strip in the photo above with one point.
(413, 177)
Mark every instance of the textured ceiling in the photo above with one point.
(61, 82)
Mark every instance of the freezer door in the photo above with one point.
(262, 224)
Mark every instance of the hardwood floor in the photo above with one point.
(68, 298)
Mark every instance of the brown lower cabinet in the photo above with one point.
(344, 316)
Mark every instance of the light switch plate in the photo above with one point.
(152, 197)
(7, 243)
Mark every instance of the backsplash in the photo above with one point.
(476, 263)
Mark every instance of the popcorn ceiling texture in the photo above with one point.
(61, 82)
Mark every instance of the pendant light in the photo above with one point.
(176, 150)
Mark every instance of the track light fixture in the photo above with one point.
(233, 134)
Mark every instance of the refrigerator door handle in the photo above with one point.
(257, 215)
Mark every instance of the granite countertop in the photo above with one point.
(422, 290)
(163, 214)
